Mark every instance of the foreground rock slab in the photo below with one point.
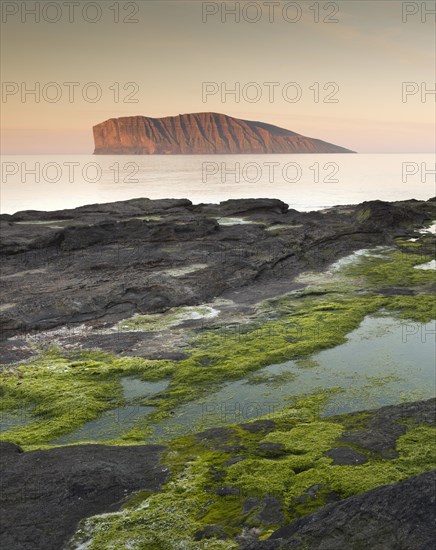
(44, 494)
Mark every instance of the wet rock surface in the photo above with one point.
(346, 457)
(220, 439)
(379, 432)
(401, 515)
(44, 494)
(99, 264)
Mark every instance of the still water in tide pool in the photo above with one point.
(113, 423)
(384, 361)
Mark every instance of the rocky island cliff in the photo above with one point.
(201, 134)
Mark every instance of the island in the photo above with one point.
(201, 134)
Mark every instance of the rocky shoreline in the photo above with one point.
(165, 274)
(100, 264)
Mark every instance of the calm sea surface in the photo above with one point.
(305, 182)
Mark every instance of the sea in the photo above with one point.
(304, 182)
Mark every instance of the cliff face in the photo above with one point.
(200, 133)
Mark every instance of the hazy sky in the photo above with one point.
(171, 52)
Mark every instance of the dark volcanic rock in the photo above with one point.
(220, 439)
(227, 490)
(110, 210)
(271, 450)
(200, 133)
(345, 456)
(271, 513)
(384, 426)
(259, 426)
(108, 262)
(233, 207)
(44, 494)
(381, 213)
(265, 511)
(399, 516)
(211, 531)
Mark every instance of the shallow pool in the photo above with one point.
(384, 361)
(114, 423)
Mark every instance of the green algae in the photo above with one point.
(303, 438)
(65, 393)
(307, 363)
(420, 308)
(160, 321)
(164, 521)
(396, 269)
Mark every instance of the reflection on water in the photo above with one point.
(14, 419)
(113, 423)
(134, 388)
(383, 362)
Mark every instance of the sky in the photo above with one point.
(341, 78)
